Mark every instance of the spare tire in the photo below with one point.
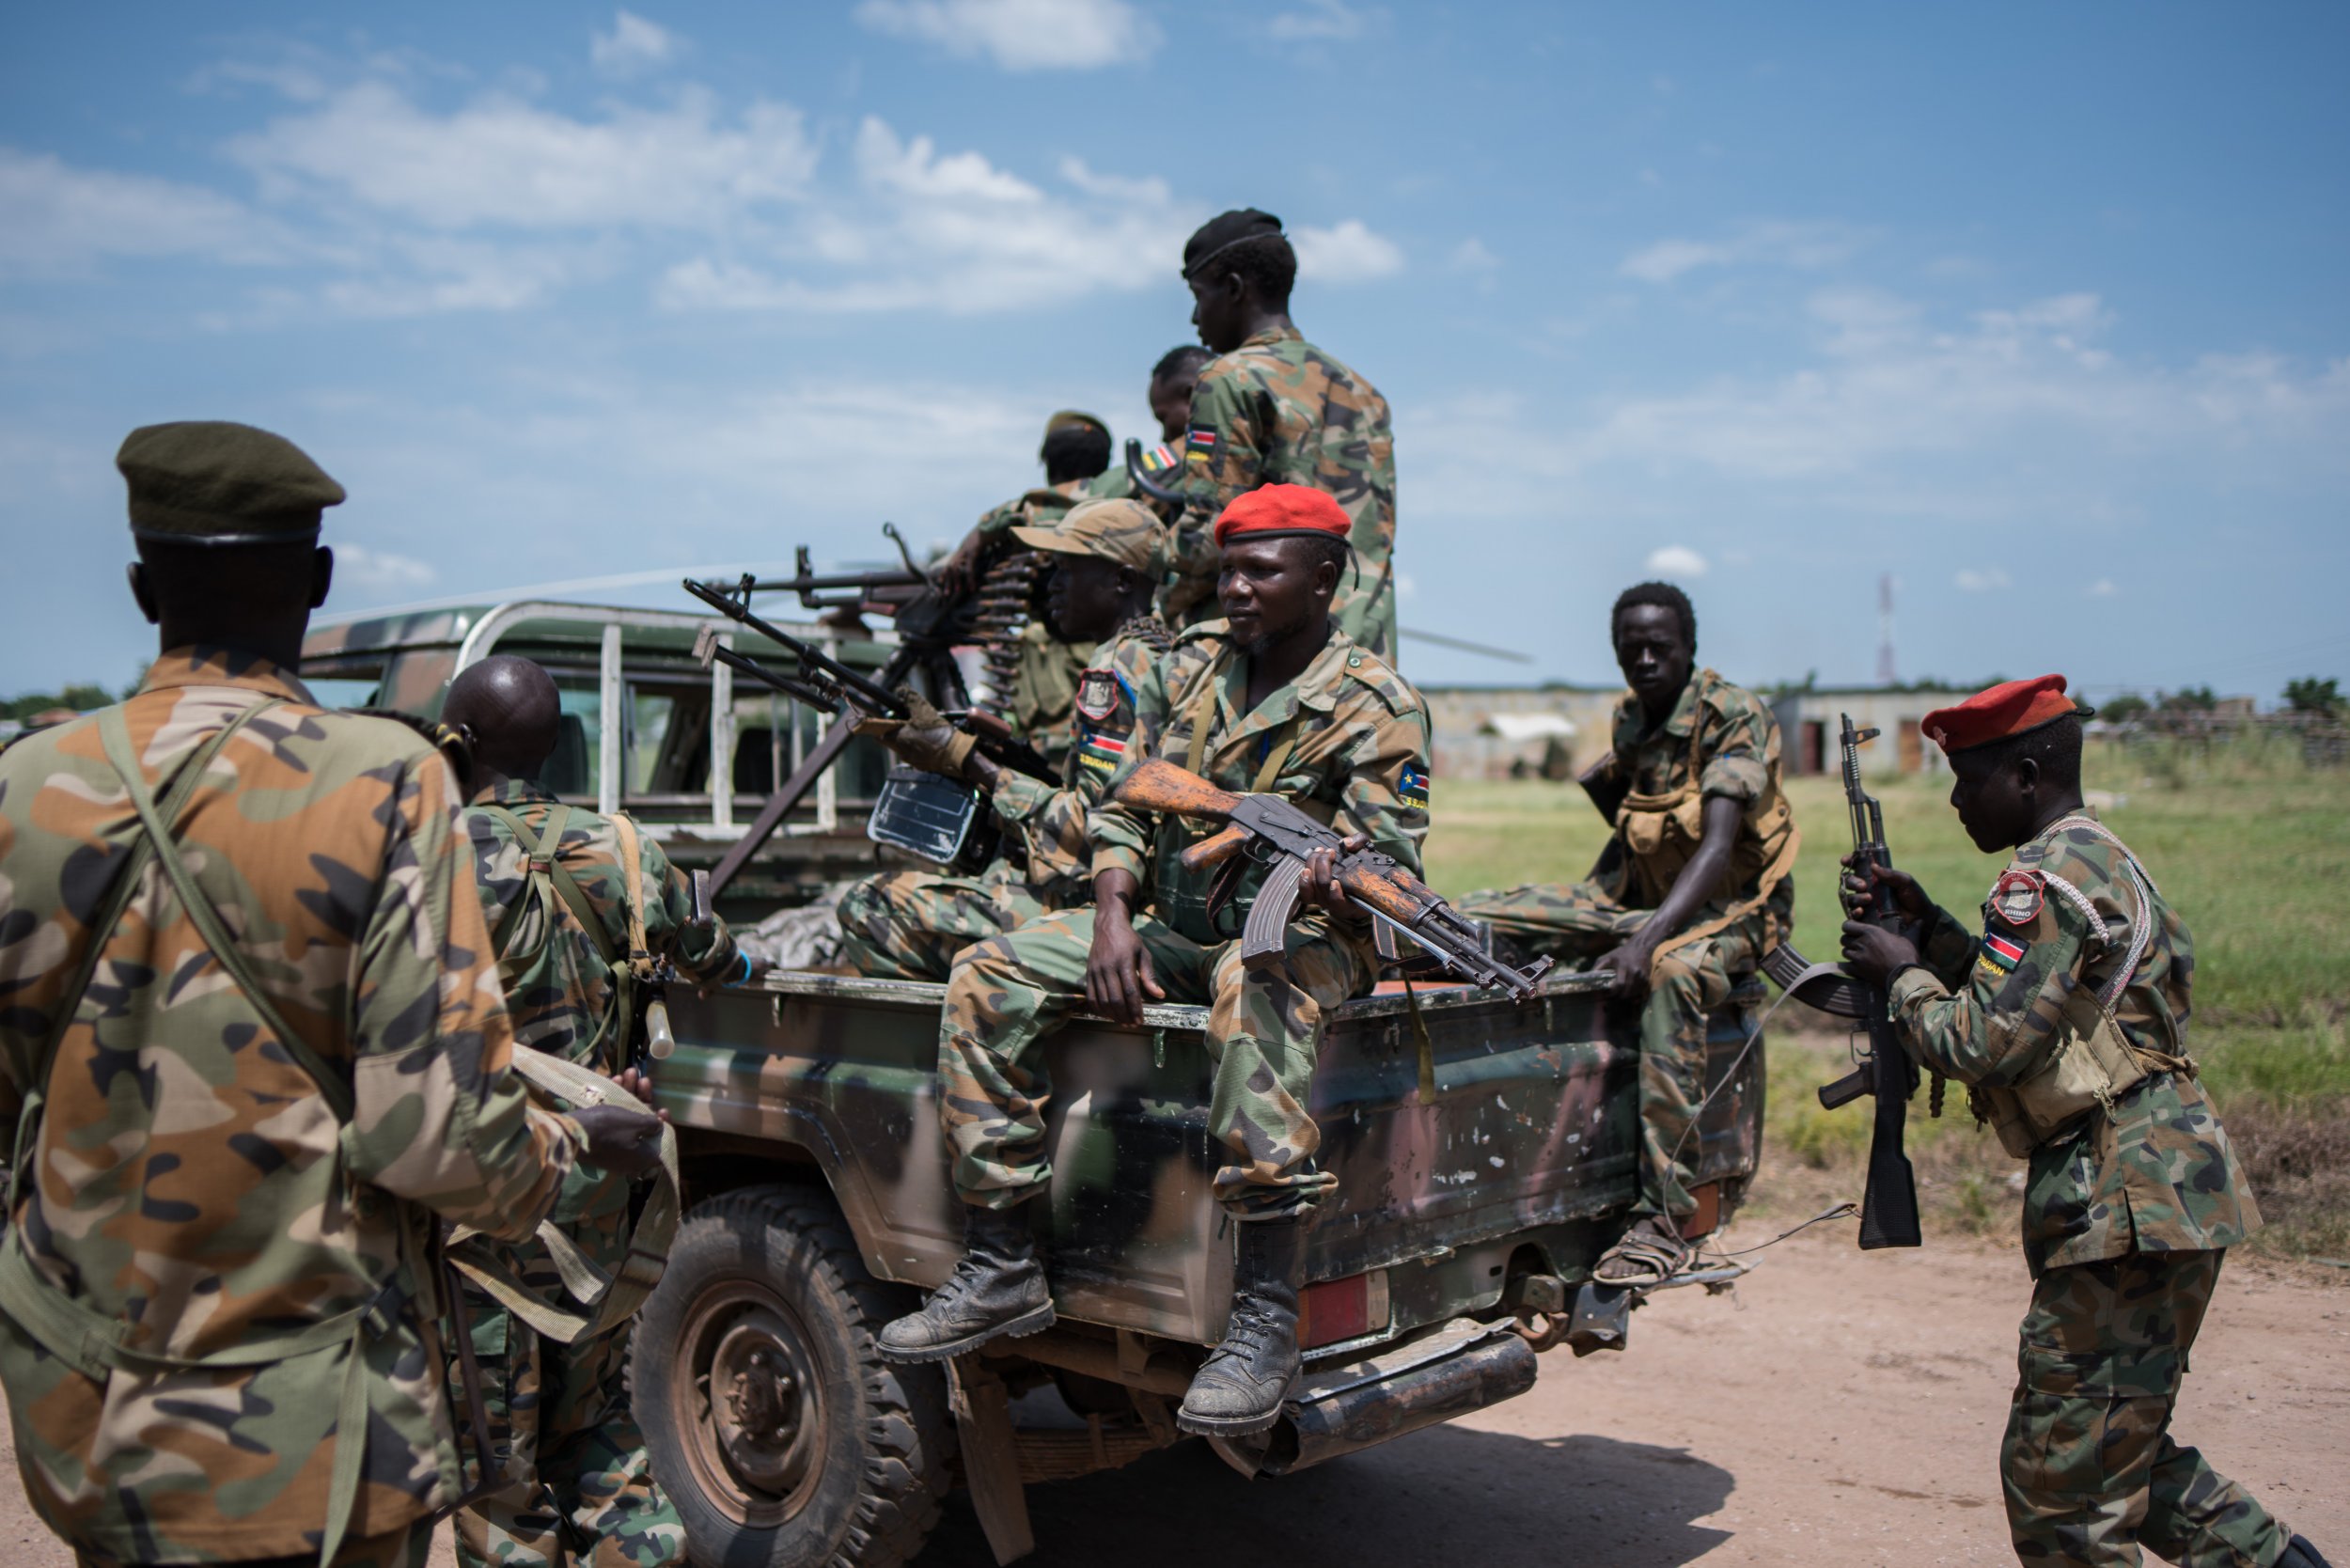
(780, 1434)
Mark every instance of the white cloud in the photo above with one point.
(1021, 35)
(1320, 22)
(1470, 256)
(61, 218)
(2103, 588)
(1348, 253)
(378, 572)
(500, 161)
(1983, 580)
(1676, 560)
(633, 45)
(1804, 247)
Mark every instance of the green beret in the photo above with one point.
(207, 481)
(1075, 418)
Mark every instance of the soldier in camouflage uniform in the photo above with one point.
(250, 1025)
(1273, 699)
(1273, 408)
(1690, 892)
(2066, 1014)
(578, 1485)
(908, 924)
(1170, 394)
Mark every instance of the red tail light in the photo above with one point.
(1339, 1309)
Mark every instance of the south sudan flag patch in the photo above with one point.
(2000, 954)
(1412, 787)
(1101, 754)
(1202, 444)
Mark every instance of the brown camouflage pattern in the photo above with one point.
(1278, 410)
(2159, 1175)
(188, 1174)
(909, 925)
(1737, 758)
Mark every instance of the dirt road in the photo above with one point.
(1838, 1409)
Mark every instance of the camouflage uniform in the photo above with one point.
(580, 1486)
(2125, 1215)
(1719, 741)
(909, 925)
(1348, 742)
(1277, 410)
(1044, 678)
(191, 1181)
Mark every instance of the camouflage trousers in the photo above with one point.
(406, 1547)
(1263, 1031)
(1582, 922)
(909, 925)
(579, 1487)
(2089, 1467)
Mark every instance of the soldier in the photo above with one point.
(567, 913)
(254, 1050)
(909, 925)
(1170, 394)
(1276, 700)
(2066, 1016)
(1690, 893)
(1273, 408)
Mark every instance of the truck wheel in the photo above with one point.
(773, 1424)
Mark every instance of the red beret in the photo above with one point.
(1281, 510)
(2010, 708)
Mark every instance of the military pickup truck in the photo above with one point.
(1484, 1151)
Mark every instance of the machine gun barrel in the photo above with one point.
(852, 684)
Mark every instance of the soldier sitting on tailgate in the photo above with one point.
(1690, 892)
(1273, 699)
(579, 908)
(2066, 1016)
(255, 1055)
(909, 925)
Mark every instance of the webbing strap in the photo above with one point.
(205, 916)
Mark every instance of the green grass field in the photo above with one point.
(2251, 847)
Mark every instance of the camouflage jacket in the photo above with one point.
(1050, 824)
(558, 988)
(1735, 757)
(2160, 1176)
(1046, 503)
(1347, 742)
(189, 1176)
(1044, 690)
(1277, 410)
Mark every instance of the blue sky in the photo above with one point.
(2038, 309)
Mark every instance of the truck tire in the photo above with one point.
(772, 1423)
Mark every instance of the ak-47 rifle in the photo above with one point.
(824, 683)
(1271, 830)
(1889, 1205)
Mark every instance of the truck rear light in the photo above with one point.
(1338, 1309)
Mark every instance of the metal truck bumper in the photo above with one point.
(1450, 1371)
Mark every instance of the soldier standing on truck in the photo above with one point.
(1273, 699)
(1273, 408)
(2066, 1016)
(579, 907)
(909, 925)
(255, 1054)
(1170, 396)
(1691, 890)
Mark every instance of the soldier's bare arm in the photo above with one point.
(1700, 880)
(1118, 981)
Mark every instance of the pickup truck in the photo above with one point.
(1484, 1151)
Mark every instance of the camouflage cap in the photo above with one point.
(208, 481)
(1078, 418)
(1118, 530)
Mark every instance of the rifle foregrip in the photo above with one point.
(1213, 851)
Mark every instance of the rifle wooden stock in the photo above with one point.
(1161, 786)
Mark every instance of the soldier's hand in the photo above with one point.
(1872, 952)
(1119, 983)
(1320, 886)
(957, 575)
(927, 740)
(1858, 883)
(639, 1083)
(1629, 964)
(621, 1140)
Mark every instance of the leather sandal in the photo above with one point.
(1645, 1256)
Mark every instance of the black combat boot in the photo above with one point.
(997, 1289)
(2299, 1553)
(1239, 1387)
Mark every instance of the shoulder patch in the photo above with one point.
(1998, 954)
(1412, 787)
(1098, 692)
(2016, 897)
(1202, 444)
(1101, 754)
